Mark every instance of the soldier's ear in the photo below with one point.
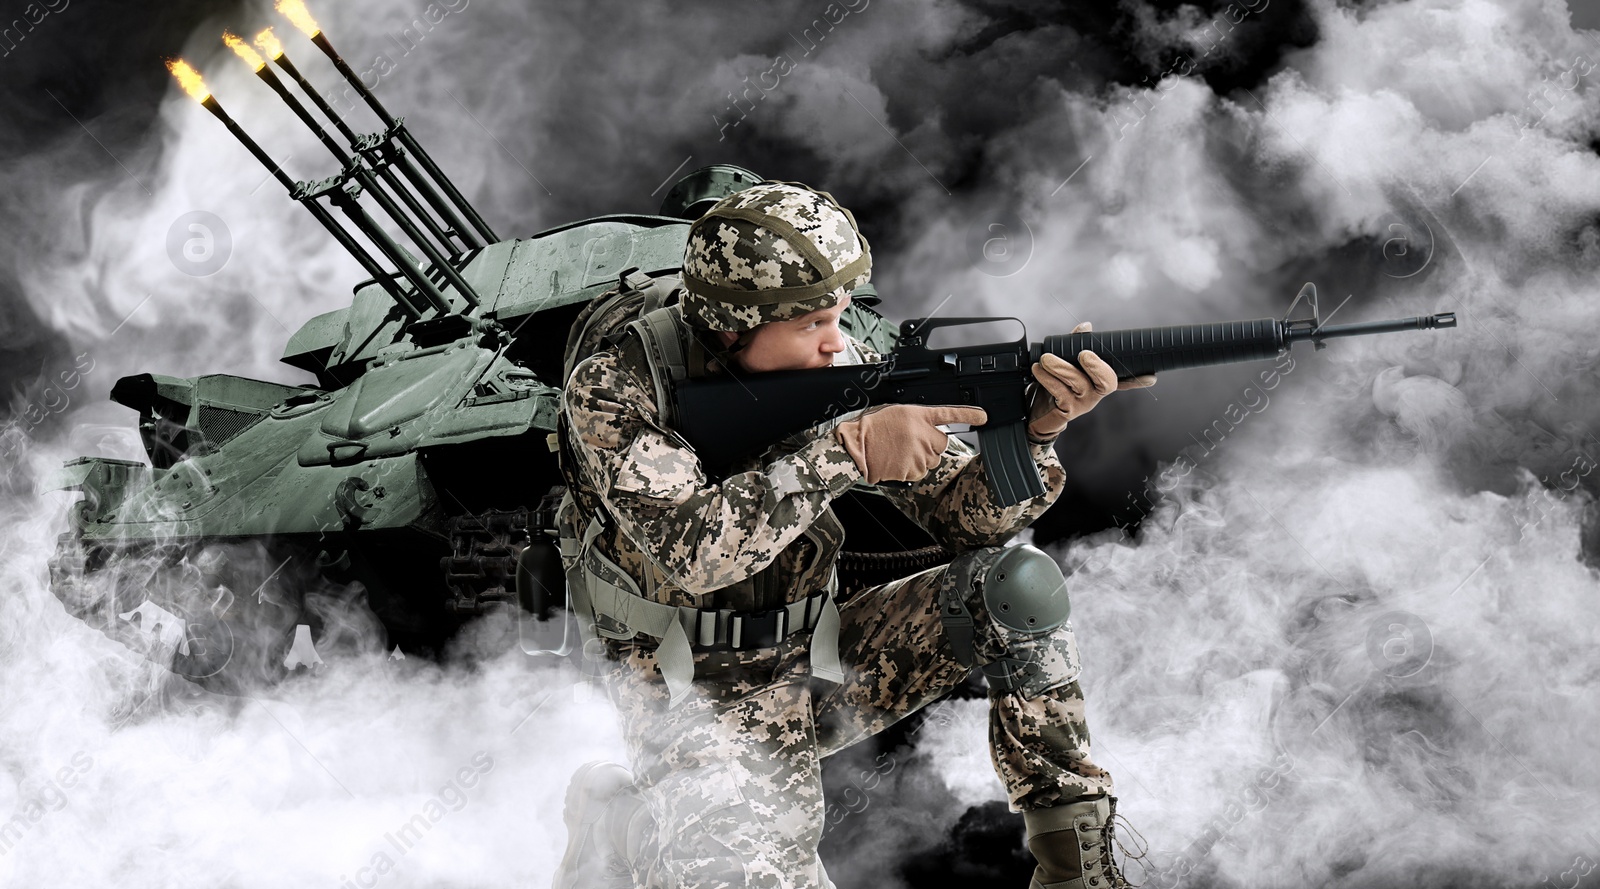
(725, 337)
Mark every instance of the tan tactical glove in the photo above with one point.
(901, 442)
(1066, 393)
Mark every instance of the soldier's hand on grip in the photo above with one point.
(1065, 393)
(901, 442)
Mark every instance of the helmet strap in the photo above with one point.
(724, 355)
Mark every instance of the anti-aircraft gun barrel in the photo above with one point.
(371, 265)
(335, 191)
(384, 159)
(398, 128)
(195, 87)
(354, 168)
(440, 234)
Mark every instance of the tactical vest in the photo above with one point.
(604, 598)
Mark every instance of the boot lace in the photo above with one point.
(1117, 879)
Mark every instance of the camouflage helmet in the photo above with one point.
(772, 252)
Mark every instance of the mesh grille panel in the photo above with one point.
(221, 424)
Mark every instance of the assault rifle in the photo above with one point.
(728, 417)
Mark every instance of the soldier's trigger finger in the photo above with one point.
(1143, 382)
(946, 414)
(1105, 379)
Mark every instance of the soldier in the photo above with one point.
(733, 669)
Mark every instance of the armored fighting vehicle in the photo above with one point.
(411, 488)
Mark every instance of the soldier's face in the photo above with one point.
(809, 341)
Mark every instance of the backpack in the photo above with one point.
(596, 327)
(604, 599)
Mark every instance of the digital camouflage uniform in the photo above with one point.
(731, 776)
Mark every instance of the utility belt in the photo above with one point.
(608, 603)
(723, 629)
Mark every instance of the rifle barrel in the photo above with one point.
(1152, 350)
(1424, 322)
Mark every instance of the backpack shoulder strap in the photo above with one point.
(665, 339)
(603, 320)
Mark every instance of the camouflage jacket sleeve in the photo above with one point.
(703, 535)
(955, 505)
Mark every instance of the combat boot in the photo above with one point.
(1072, 844)
(606, 824)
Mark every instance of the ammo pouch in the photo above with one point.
(608, 603)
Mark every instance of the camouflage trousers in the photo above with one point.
(732, 776)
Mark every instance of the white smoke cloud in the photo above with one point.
(374, 771)
(1357, 624)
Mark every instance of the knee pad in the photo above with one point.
(1025, 591)
(1025, 595)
